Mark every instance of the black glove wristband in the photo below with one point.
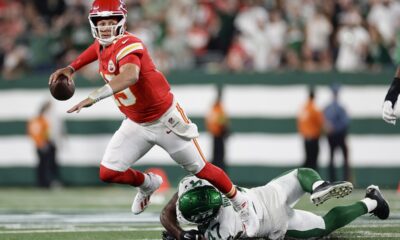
(393, 91)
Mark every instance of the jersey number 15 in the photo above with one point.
(125, 98)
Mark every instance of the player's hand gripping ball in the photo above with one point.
(61, 90)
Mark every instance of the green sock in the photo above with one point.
(336, 218)
(340, 216)
(307, 177)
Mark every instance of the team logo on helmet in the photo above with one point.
(111, 66)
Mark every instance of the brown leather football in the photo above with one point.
(60, 90)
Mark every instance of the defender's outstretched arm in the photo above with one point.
(168, 217)
(170, 223)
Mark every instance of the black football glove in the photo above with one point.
(191, 235)
(166, 236)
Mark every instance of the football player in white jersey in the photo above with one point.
(197, 202)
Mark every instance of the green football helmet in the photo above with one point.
(201, 204)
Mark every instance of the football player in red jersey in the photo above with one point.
(153, 116)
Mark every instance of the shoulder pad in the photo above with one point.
(126, 45)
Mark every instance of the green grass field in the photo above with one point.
(103, 213)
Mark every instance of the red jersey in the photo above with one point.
(146, 100)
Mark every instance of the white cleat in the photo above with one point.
(142, 198)
(249, 218)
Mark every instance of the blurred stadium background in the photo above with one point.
(265, 54)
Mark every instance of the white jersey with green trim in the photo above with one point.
(227, 224)
(269, 203)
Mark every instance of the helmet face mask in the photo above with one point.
(113, 31)
(201, 204)
(104, 10)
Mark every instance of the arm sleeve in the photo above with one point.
(88, 56)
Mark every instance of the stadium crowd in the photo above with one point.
(229, 35)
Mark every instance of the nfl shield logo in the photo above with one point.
(111, 66)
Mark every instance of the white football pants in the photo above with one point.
(291, 190)
(275, 202)
(132, 140)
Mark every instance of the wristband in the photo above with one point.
(101, 93)
(393, 91)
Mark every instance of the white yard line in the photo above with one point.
(51, 218)
(89, 229)
(370, 234)
(53, 223)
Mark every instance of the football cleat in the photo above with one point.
(382, 209)
(329, 190)
(249, 218)
(142, 198)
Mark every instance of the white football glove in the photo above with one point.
(388, 113)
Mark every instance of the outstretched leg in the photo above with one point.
(127, 145)
(295, 183)
(321, 190)
(303, 224)
(147, 183)
(290, 186)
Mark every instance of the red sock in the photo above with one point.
(216, 177)
(130, 176)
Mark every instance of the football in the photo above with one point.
(60, 90)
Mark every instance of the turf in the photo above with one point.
(104, 213)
